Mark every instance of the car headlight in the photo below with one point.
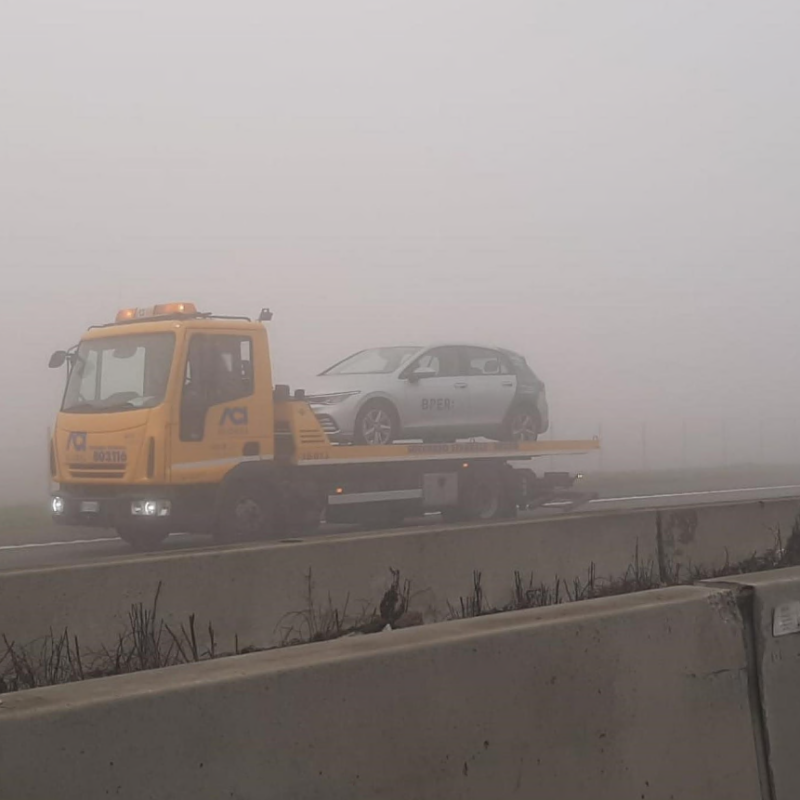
(58, 505)
(331, 399)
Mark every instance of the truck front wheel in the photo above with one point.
(141, 539)
(247, 512)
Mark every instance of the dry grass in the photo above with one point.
(320, 623)
(638, 577)
(147, 642)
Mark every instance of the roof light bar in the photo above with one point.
(161, 310)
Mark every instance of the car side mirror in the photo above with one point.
(422, 372)
(58, 359)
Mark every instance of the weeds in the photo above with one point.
(315, 623)
(147, 642)
(639, 576)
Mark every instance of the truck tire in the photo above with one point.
(381, 518)
(246, 511)
(377, 423)
(482, 496)
(303, 503)
(141, 539)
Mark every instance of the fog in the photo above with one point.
(610, 188)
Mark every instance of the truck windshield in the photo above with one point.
(381, 360)
(119, 373)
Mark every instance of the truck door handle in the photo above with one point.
(460, 385)
(508, 383)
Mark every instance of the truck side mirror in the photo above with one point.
(58, 359)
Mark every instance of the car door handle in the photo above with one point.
(460, 385)
(508, 383)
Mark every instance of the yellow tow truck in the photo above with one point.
(170, 422)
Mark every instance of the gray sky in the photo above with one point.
(611, 188)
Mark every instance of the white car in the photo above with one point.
(438, 393)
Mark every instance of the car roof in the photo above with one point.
(482, 345)
(431, 345)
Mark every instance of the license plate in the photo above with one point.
(90, 506)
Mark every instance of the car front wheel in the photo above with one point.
(377, 423)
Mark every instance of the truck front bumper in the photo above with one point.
(86, 511)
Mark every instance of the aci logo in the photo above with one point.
(234, 416)
(77, 442)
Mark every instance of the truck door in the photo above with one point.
(438, 404)
(492, 388)
(217, 424)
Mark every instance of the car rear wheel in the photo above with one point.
(377, 423)
(522, 425)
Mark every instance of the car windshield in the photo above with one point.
(378, 361)
(119, 373)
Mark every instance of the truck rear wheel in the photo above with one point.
(247, 512)
(379, 518)
(482, 496)
(141, 539)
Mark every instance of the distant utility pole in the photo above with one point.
(684, 460)
(644, 447)
(724, 443)
(602, 446)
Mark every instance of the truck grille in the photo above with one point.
(96, 471)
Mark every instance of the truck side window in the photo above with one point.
(219, 369)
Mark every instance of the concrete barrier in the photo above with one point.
(708, 536)
(641, 696)
(776, 641)
(247, 591)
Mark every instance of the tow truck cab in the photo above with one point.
(157, 406)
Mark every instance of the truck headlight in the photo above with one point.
(151, 508)
(58, 505)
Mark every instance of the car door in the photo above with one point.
(439, 404)
(492, 387)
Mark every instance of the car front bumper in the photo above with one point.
(338, 420)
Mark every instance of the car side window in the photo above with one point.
(481, 361)
(445, 360)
